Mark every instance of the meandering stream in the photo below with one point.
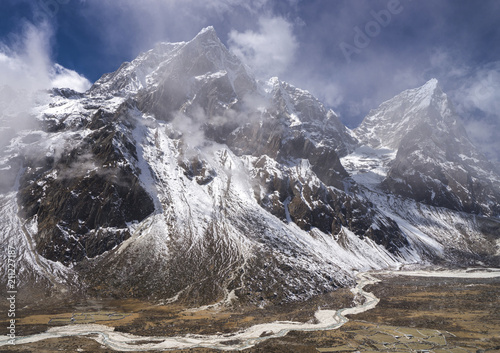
(325, 320)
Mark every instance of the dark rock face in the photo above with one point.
(310, 203)
(84, 198)
(198, 170)
(272, 139)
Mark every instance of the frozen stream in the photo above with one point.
(326, 320)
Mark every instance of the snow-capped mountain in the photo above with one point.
(436, 163)
(181, 177)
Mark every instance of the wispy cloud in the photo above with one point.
(483, 90)
(478, 100)
(265, 41)
(27, 64)
(62, 77)
(26, 69)
(475, 92)
(128, 27)
(270, 50)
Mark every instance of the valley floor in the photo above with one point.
(415, 314)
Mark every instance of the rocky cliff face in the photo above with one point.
(180, 176)
(436, 163)
(84, 195)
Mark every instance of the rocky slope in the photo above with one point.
(181, 177)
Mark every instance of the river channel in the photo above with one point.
(324, 320)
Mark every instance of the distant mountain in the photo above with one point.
(436, 163)
(182, 177)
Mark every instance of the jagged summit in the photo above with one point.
(393, 119)
(431, 85)
(208, 31)
(425, 95)
(205, 54)
(206, 42)
(435, 161)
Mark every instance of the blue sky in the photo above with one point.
(351, 54)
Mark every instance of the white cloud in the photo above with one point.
(65, 78)
(480, 130)
(485, 136)
(27, 65)
(331, 94)
(26, 69)
(483, 91)
(484, 94)
(129, 27)
(446, 64)
(478, 99)
(270, 50)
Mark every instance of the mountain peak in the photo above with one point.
(427, 103)
(204, 54)
(429, 89)
(207, 34)
(433, 83)
(209, 30)
(420, 97)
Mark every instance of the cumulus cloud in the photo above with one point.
(191, 129)
(23, 72)
(270, 50)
